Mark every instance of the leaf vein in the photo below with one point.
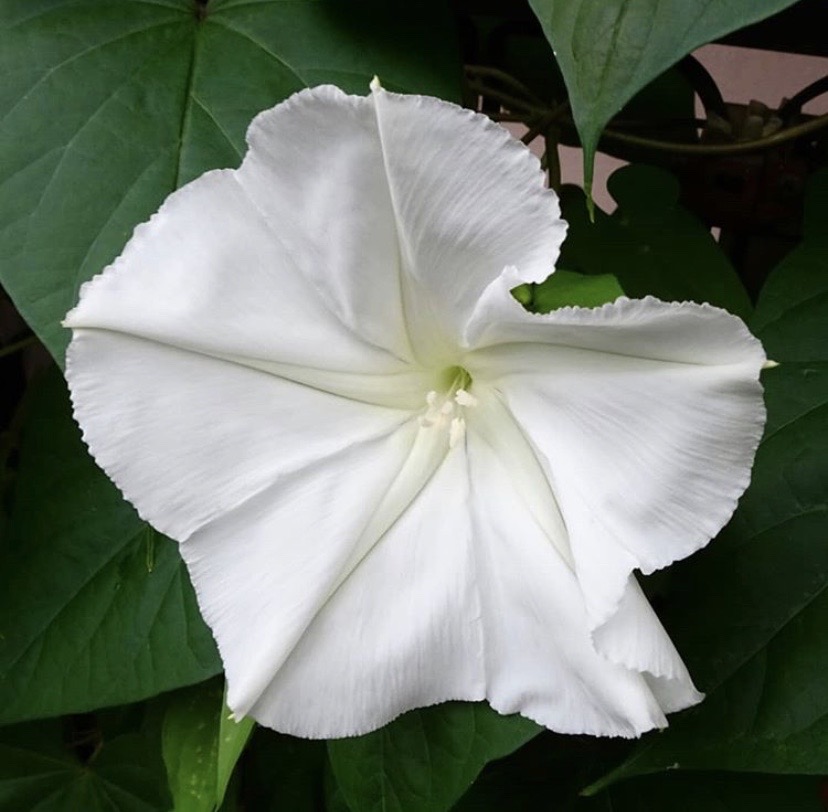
(77, 56)
(275, 57)
(218, 126)
(86, 582)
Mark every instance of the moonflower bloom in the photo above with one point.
(393, 486)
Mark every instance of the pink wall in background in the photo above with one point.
(744, 74)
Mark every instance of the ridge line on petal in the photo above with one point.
(235, 174)
(117, 479)
(242, 361)
(519, 150)
(566, 555)
(560, 318)
(477, 591)
(297, 469)
(675, 361)
(403, 245)
(139, 233)
(353, 563)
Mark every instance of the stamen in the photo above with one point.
(457, 430)
(445, 408)
(463, 398)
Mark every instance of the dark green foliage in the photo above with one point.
(95, 607)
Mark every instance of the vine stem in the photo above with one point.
(736, 148)
(504, 78)
(543, 124)
(506, 99)
(539, 116)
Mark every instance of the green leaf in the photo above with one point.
(201, 746)
(189, 744)
(108, 107)
(39, 773)
(425, 760)
(233, 737)
(650, 243)
(95, 608)
(666, 105)
(565, 288)
(749, 613)
(790, 318)
(609, 50)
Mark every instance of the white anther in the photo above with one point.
(445, 410)
(464, 398)
(457, 430)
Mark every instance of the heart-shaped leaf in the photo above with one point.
(609, 50)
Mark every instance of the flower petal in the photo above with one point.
(634, 637)
(540, 660)
(340, 600)
(406, 206)
(248, 374)
(316, 172)
(187, 437)
(443, 586)
(645, 416)
(210, 274)
(469, 200)
(353, 227)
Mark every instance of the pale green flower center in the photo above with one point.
(445, 409)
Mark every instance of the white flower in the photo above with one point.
(393, 486)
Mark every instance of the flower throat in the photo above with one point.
(446, 409)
